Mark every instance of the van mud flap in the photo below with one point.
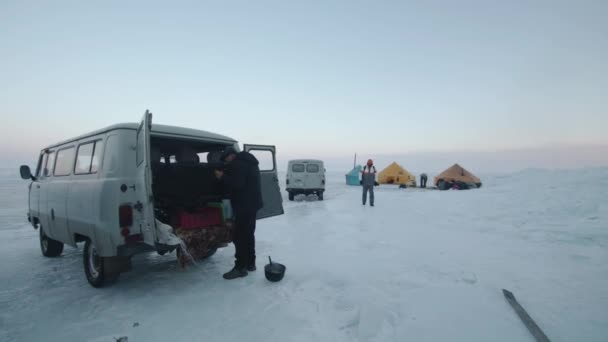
(117, 264)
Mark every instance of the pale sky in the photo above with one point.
(436, 80)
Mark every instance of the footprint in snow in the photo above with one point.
(469, 278)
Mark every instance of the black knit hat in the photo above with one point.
(228, 151)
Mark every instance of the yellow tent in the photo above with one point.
(395, 174)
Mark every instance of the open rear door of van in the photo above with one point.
(271, 192)
(144, 206)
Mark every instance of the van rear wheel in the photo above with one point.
(50, 248)
(320, 195)
(291, 196)
(94, 267)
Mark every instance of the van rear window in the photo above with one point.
(297, 168)
(140, 146)
(312, 168)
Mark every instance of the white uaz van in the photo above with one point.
(118, 189)
(305, 176)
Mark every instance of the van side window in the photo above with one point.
(88, 158)
(97, 155)
(64, 163)
(297, 168)
(49, 165)
(83, 158)
(312, 168)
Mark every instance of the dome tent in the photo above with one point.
(395, 174)
(459, 176)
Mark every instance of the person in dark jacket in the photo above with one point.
(242, 180)
(423, 179)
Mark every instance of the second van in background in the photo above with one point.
(305, 176)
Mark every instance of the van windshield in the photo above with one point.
(312, 168)
(297, 168)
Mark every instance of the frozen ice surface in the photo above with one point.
(420, 266)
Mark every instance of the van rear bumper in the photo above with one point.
(132, 249)
(304, 191)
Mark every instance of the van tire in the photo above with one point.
(50, 248)
(320, 195)
(94, 267)
(291, 196)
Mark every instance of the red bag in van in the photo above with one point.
(201, 218)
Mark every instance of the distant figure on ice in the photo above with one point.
(423, 179)
(368, 180)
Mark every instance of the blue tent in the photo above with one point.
(352, 178)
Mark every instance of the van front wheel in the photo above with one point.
(94, 267)
(291, 196)
(50, 248)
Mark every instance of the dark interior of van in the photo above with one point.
(183, 172)
(187, 195)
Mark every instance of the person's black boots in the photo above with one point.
(235, 273)
(251, 268)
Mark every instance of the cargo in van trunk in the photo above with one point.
(189, 198)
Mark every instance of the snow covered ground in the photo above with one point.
(420, 266)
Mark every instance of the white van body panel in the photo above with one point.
(77, 206)
(305, 175)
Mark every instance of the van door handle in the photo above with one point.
(38, 186)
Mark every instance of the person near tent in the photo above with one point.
(242, 179)
(368, 180)
(423, 179)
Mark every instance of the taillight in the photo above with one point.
(125, 216)
(125, 232)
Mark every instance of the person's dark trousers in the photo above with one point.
(370, 189)
(423, 182)
(244, 239)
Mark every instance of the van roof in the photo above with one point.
(157, 130)
(306, 161)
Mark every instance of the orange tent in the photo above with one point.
(457, 174)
